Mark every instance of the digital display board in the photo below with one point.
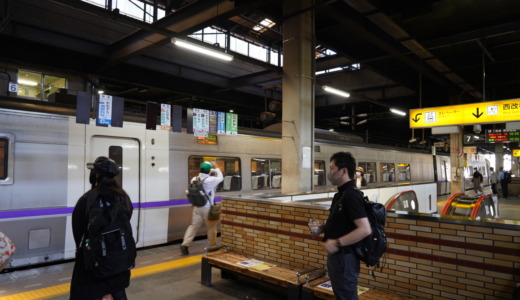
(502, 135)
(208, 140)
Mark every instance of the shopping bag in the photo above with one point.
(7, 250)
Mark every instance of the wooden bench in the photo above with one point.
(312, 291)
(235, 263)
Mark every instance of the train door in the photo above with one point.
(126, 153)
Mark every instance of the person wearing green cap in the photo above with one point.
(200, 214)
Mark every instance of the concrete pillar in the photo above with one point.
(499, 156)
(457, 162)
(298, 96)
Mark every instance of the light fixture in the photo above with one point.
(264, 24)
(231, 111)
(27, 82)
(202, 50)
(399, 112)
(362, 122)
(100, 92)
(336, 91)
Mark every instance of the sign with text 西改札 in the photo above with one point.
(466, 114)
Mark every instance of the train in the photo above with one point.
(43, 157)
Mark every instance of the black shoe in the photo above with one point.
(184, 250)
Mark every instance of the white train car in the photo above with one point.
(43, 173)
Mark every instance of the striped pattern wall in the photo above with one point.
(428, 257)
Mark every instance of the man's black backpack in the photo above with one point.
(507, 177)
(196, 194)
(371, 249)
(109, 247)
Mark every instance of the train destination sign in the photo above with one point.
(466, 114)
(502, 135)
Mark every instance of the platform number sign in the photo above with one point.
(469, 139)
(13, 87)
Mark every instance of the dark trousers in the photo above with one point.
(343, 273)
(505, 192)
(494, 188)
(121, 295)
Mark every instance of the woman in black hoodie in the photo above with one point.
(84, 284)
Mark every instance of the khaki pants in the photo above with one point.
(199, 217)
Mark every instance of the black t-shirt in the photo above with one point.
(347, 205)
(477, 175)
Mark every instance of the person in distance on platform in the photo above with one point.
(493, 180)
(200, 214)
(477, 180)
(346, 225)
(360, 178)
(503, 183)
(84, 284)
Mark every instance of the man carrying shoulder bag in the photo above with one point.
(200, 214)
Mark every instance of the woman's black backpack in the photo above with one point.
(109, 246)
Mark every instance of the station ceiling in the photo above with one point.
(411, 54)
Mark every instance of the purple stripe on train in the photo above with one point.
(68, 210)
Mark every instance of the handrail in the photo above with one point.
(448, 203)
(395, 197)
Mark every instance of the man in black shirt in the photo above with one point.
(347, 224)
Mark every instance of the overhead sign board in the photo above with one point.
(502, 135)
(466, 114)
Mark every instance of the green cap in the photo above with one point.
(205, 167)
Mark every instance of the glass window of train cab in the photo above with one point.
(319, 173)
(266, 173)
(38, 86)
(370, 171)
(387, 171)
(230, 167)
(403, 172)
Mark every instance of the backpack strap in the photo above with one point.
(202, 182)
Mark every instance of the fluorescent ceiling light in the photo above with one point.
(202, 50)
(396, 111)
(336, 91)
(27, 82)
(265, 23)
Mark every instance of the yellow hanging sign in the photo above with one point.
(466, 114)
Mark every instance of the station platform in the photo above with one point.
(163, 273)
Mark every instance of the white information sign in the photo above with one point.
(200, 122)
(105, 110)
(166, 113)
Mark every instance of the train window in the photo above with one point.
(6, 158)
(319, 173)
(115, 153)
(387, 171)
(266, 173)
(403, 170)
(3, 158)
(370, 171)
(38, 86)
(230, 167)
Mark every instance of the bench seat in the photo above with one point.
(283, 276)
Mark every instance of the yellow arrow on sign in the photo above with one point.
(516, 152)
(466, 114)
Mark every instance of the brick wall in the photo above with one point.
(428, 257)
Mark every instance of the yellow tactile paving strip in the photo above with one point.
(62, 289)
